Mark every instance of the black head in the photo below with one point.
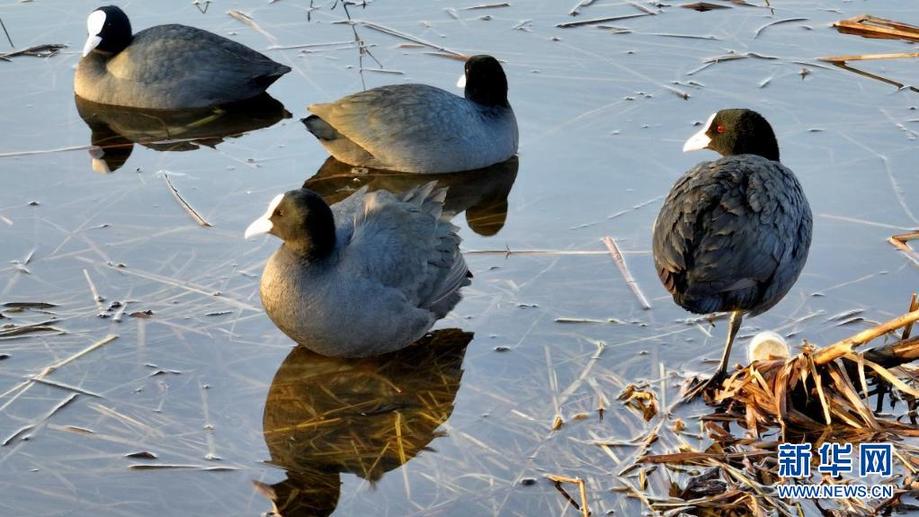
(486, 83)
(300, 218)
(736, 131)
(109, 31)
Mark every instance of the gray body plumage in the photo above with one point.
(175, 67)
(733, 234)
(395, 270)
(414, 128)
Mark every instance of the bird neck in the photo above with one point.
(768, 149)
(754, 135)
(310, 250)
(493, 94)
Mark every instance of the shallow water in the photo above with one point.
(601, 131)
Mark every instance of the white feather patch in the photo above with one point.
(95, 22)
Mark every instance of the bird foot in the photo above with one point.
(698, 386)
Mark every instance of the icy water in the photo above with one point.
(202, 407)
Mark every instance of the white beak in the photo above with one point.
(461, 82)
(700, 140)
(260, 226)
(91, 43)
(263, 224)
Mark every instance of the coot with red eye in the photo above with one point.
(733, 234)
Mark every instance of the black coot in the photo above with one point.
(733, 234)
(367, 276)
(422, 129)
(166, 67)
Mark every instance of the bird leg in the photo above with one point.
(698, 387)
(736, 320)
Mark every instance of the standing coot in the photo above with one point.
(733, 234)
(420, 128)
(166, 67)
(366, 276)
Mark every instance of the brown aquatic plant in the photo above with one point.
(820, 395)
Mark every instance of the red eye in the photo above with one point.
(719, 129)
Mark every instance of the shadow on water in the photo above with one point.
(481, 193)
(327, 416)
(116, 129)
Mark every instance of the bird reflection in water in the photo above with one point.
(116, 129)
(326, 416)
(481, 193)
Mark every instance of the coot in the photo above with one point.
(733, 234)
(167, 66)
(366, 276)
(420, 128)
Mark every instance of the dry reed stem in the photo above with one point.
(184, 204)
(582, 490)
(486, 6)
(247, 20)
(913, 305)
(869, 26)
(595, 21)
(551, 253)
(900, 242)
(95, 293)
(8, 38)
(28, 427)
(868, 57)
(618, 259)
(776, 22)
(45, 50)
(642, 8)
(574, 11)
(25, 385)
(16, 154)
(898, 84)
(61, 385)
(892, 379)
(895, 354)
(408, 37)
(841, 348)
(186, 286)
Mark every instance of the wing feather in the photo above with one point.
(403, 243)
(731, 235)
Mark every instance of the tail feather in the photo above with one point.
(444, 293)
(268, 78)
(320, 128)
(338, 145)
(447, 293)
